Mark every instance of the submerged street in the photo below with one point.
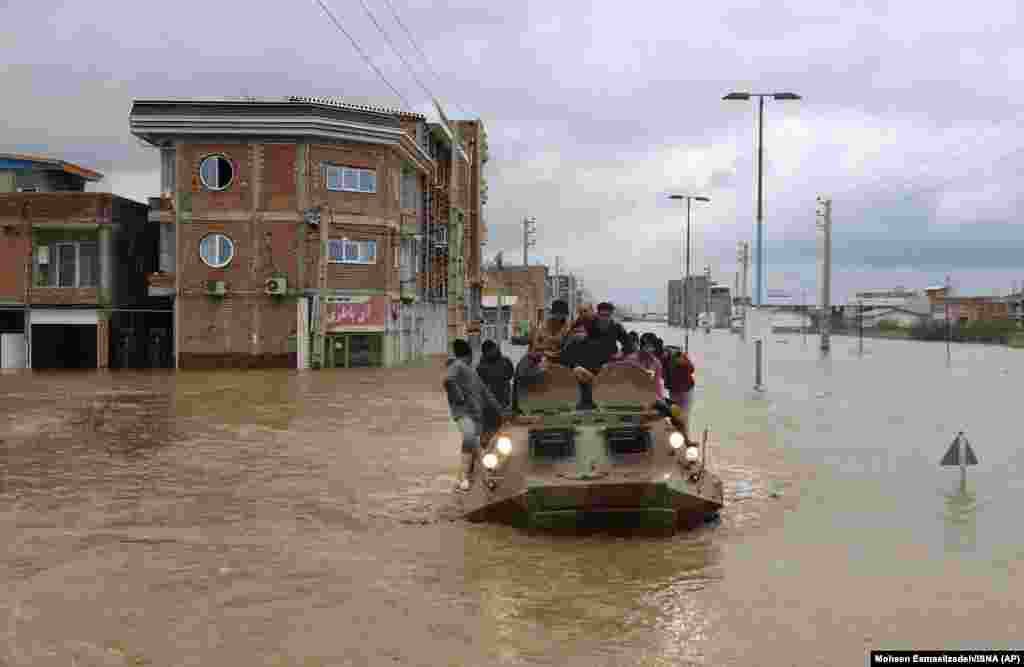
(306, 518)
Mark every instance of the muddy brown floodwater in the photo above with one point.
(284, 518)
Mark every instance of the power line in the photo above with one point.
(418, 50)
(405, 62)
(365, 57)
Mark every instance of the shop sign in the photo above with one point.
(356, 313)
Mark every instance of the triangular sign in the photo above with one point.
(972, 460)
(952, 456)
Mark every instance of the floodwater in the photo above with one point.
(285, 518)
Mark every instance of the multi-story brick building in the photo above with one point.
(302, 231)
(72, 265)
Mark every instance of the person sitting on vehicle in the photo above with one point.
(496, 370)
(586, 357)
(581, 326)
(472, 406)
(647, 359)
(549, 338)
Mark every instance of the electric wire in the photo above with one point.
(419, 51)
(360, 51)
(387, 38)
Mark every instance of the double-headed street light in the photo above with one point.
(686, 327)
(760, 163)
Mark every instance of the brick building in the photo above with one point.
(72, 266)
(515, 298)
(303, 232)
(966, 309)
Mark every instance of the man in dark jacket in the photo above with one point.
(591, 354)
(496, 370)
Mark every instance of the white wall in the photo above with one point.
(13, 351)
(423, 330)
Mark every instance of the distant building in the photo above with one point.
(563, 286)
(967, 309)
(911, 300)
(699, 290)
(1015, 307)
(515, 298)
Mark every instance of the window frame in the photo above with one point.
(231, 244)
(58, 270)
(341, 171)
(54, 272)
(231, 181)
(365, 251)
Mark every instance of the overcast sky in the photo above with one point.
(910, 119)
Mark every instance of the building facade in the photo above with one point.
(515, 299)
(72, 267)
(296, 231)
(564, 287)
(688, 310)
(915, 301)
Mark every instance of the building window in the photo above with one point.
(216, 172)
(216, 250)
(350, 179)
(344, 251)
(410, 189)
(67, 264)
(167, 164)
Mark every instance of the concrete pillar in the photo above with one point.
(106, 250)
(103, 341)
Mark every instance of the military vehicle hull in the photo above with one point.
(612, 466)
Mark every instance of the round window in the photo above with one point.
(216, 250)
(216, 172)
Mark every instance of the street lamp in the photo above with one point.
(760, 177)
(686, 328)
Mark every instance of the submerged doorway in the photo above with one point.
(63, 346)
(355, 350)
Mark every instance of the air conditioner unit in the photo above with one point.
(216, 287)
(276, 286)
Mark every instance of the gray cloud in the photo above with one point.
(592, 110)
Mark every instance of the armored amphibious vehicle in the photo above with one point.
(622, 464)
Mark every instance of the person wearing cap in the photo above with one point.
(548, 340)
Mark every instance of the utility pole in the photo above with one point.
(949, 289)
(825, 225)
(860, 326)
(744, 260)
(529, 237)
(803, 316)
(707, 299)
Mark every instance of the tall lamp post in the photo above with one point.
(686, 327)
(760, 176)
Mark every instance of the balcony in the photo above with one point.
(161, 209)
(409, 292)
(441, 237)
(160, 284)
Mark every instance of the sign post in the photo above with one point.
(960, 454)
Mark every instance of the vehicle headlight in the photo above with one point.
(490, 461)
(692, 454)
(505, 445)
(676, 440)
